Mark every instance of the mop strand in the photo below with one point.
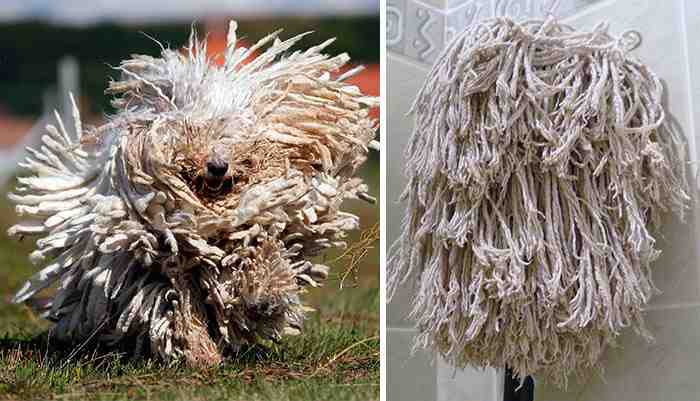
(539, 166)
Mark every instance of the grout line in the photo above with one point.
(691, 134)
(454, 9)
(401, 329)
(498, 382)
(436, 373)
(430, 6)
(689, 85)
(407, 60)
(680, 305)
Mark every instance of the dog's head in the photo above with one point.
(211, 133)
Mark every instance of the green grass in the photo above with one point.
(335, 358)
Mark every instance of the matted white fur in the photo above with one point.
(145, 260)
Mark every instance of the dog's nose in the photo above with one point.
(217, 168)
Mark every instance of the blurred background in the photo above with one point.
(51, 47)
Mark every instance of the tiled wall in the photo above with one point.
(669, 369)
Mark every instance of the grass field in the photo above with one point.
(336, 358)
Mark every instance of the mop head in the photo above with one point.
(539, 166)
(184, 227)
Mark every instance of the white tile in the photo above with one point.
(425, 31)
(692, 24)
(400, 306)
(637, 371)
(439, 5)
(435, 4)
(409, 378)
(521, 9)
(416, 29)
(396, 26)
(676, 273)
(404, 78)
(525, 9)
(452, 4)
(467, 384)
(568, 8)
(459, 18)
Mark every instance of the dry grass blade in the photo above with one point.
(343, 352)
(355, 253)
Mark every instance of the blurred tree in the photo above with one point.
(29, 52)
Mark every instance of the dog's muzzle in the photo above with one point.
(216, 174)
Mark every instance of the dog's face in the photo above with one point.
(219, 159)
(213, 160)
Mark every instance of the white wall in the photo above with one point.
(669, 369)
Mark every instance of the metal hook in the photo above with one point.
(630, 40)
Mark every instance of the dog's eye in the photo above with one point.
(217, 168)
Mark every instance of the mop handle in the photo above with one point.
(512, 391)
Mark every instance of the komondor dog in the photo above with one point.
(184, 226)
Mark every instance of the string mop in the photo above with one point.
(539, 167)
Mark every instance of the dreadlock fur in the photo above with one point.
(539, 166)
(151, 244)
